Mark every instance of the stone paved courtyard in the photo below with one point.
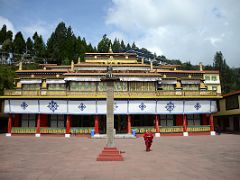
(196, 157)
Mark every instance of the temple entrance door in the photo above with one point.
(235, 124)
(120, 124)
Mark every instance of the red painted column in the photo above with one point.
(96, 124)
(184, 123)
(211, 122)
(38, 124)
(129, 127)
(157, 124)
(68, 124)
(9, 124)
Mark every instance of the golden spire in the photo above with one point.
(110, 48)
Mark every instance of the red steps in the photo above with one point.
(110, 154)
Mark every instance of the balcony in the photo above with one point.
(117, 94)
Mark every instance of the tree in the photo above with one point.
(116, 47)
(226, 75)
(7, 74)
(19, 45)
(29, 46)
(3, 33)
(123, 47)
(38, 45)
(104, 44)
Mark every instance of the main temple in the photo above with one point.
(71, 99)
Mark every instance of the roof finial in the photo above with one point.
(110, 48)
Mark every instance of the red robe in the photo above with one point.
(148, 138)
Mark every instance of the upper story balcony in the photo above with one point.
(117, 94)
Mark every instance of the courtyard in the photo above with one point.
(195, 157)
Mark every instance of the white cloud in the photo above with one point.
(41, 27)
(186, 29)
(8, 23)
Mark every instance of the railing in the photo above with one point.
(125, 94)
(81, 130)
(171, 129)
(203, 128)
(23, 130)
(51, 130)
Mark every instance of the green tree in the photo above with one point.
(226, 75)
(29, 46)
(38, 46)
(123, 47)
(104, 44)
(7, 74)
(116, 47)
(19, 45)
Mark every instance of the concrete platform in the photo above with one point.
(171, 158)
(117, 136)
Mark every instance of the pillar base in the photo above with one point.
(67, 135)
(185, 133)
(157, 135)
(37, 135)
(8, 134)
(212, 133)
(110, 154)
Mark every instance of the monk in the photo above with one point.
(148, 138)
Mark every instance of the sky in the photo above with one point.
(189, 30)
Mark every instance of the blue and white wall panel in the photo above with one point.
(197, 107)
(6, 106)
(53, 106)
(142, 107)
(214, 106)
(24, 106)
(82, 107)
(169, 107)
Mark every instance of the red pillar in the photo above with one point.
(9, 124)
(96, 124)
(68, 124)
(184, 123)
(211, 122)
(157, 124)
(38, 124)
(129, 127)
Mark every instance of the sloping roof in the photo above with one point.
(231, 93)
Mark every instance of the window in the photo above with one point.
(57, 120)
(31, 86)
(82, 86)
(214, 88)
(56, 87)
(168, 87)
(167, 120)
(207, 78)
(193, 119)
(28, 120)
(232, 102)
(191, 87)
(214, 78)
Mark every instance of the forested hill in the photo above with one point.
(64, 46)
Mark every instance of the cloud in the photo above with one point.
(8, 23)
(186, 29)
(41, 27)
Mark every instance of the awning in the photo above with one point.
(168, 82)
(140, 78)
(55, 81)
(82, 79)
(36, 81)
(190, 81)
